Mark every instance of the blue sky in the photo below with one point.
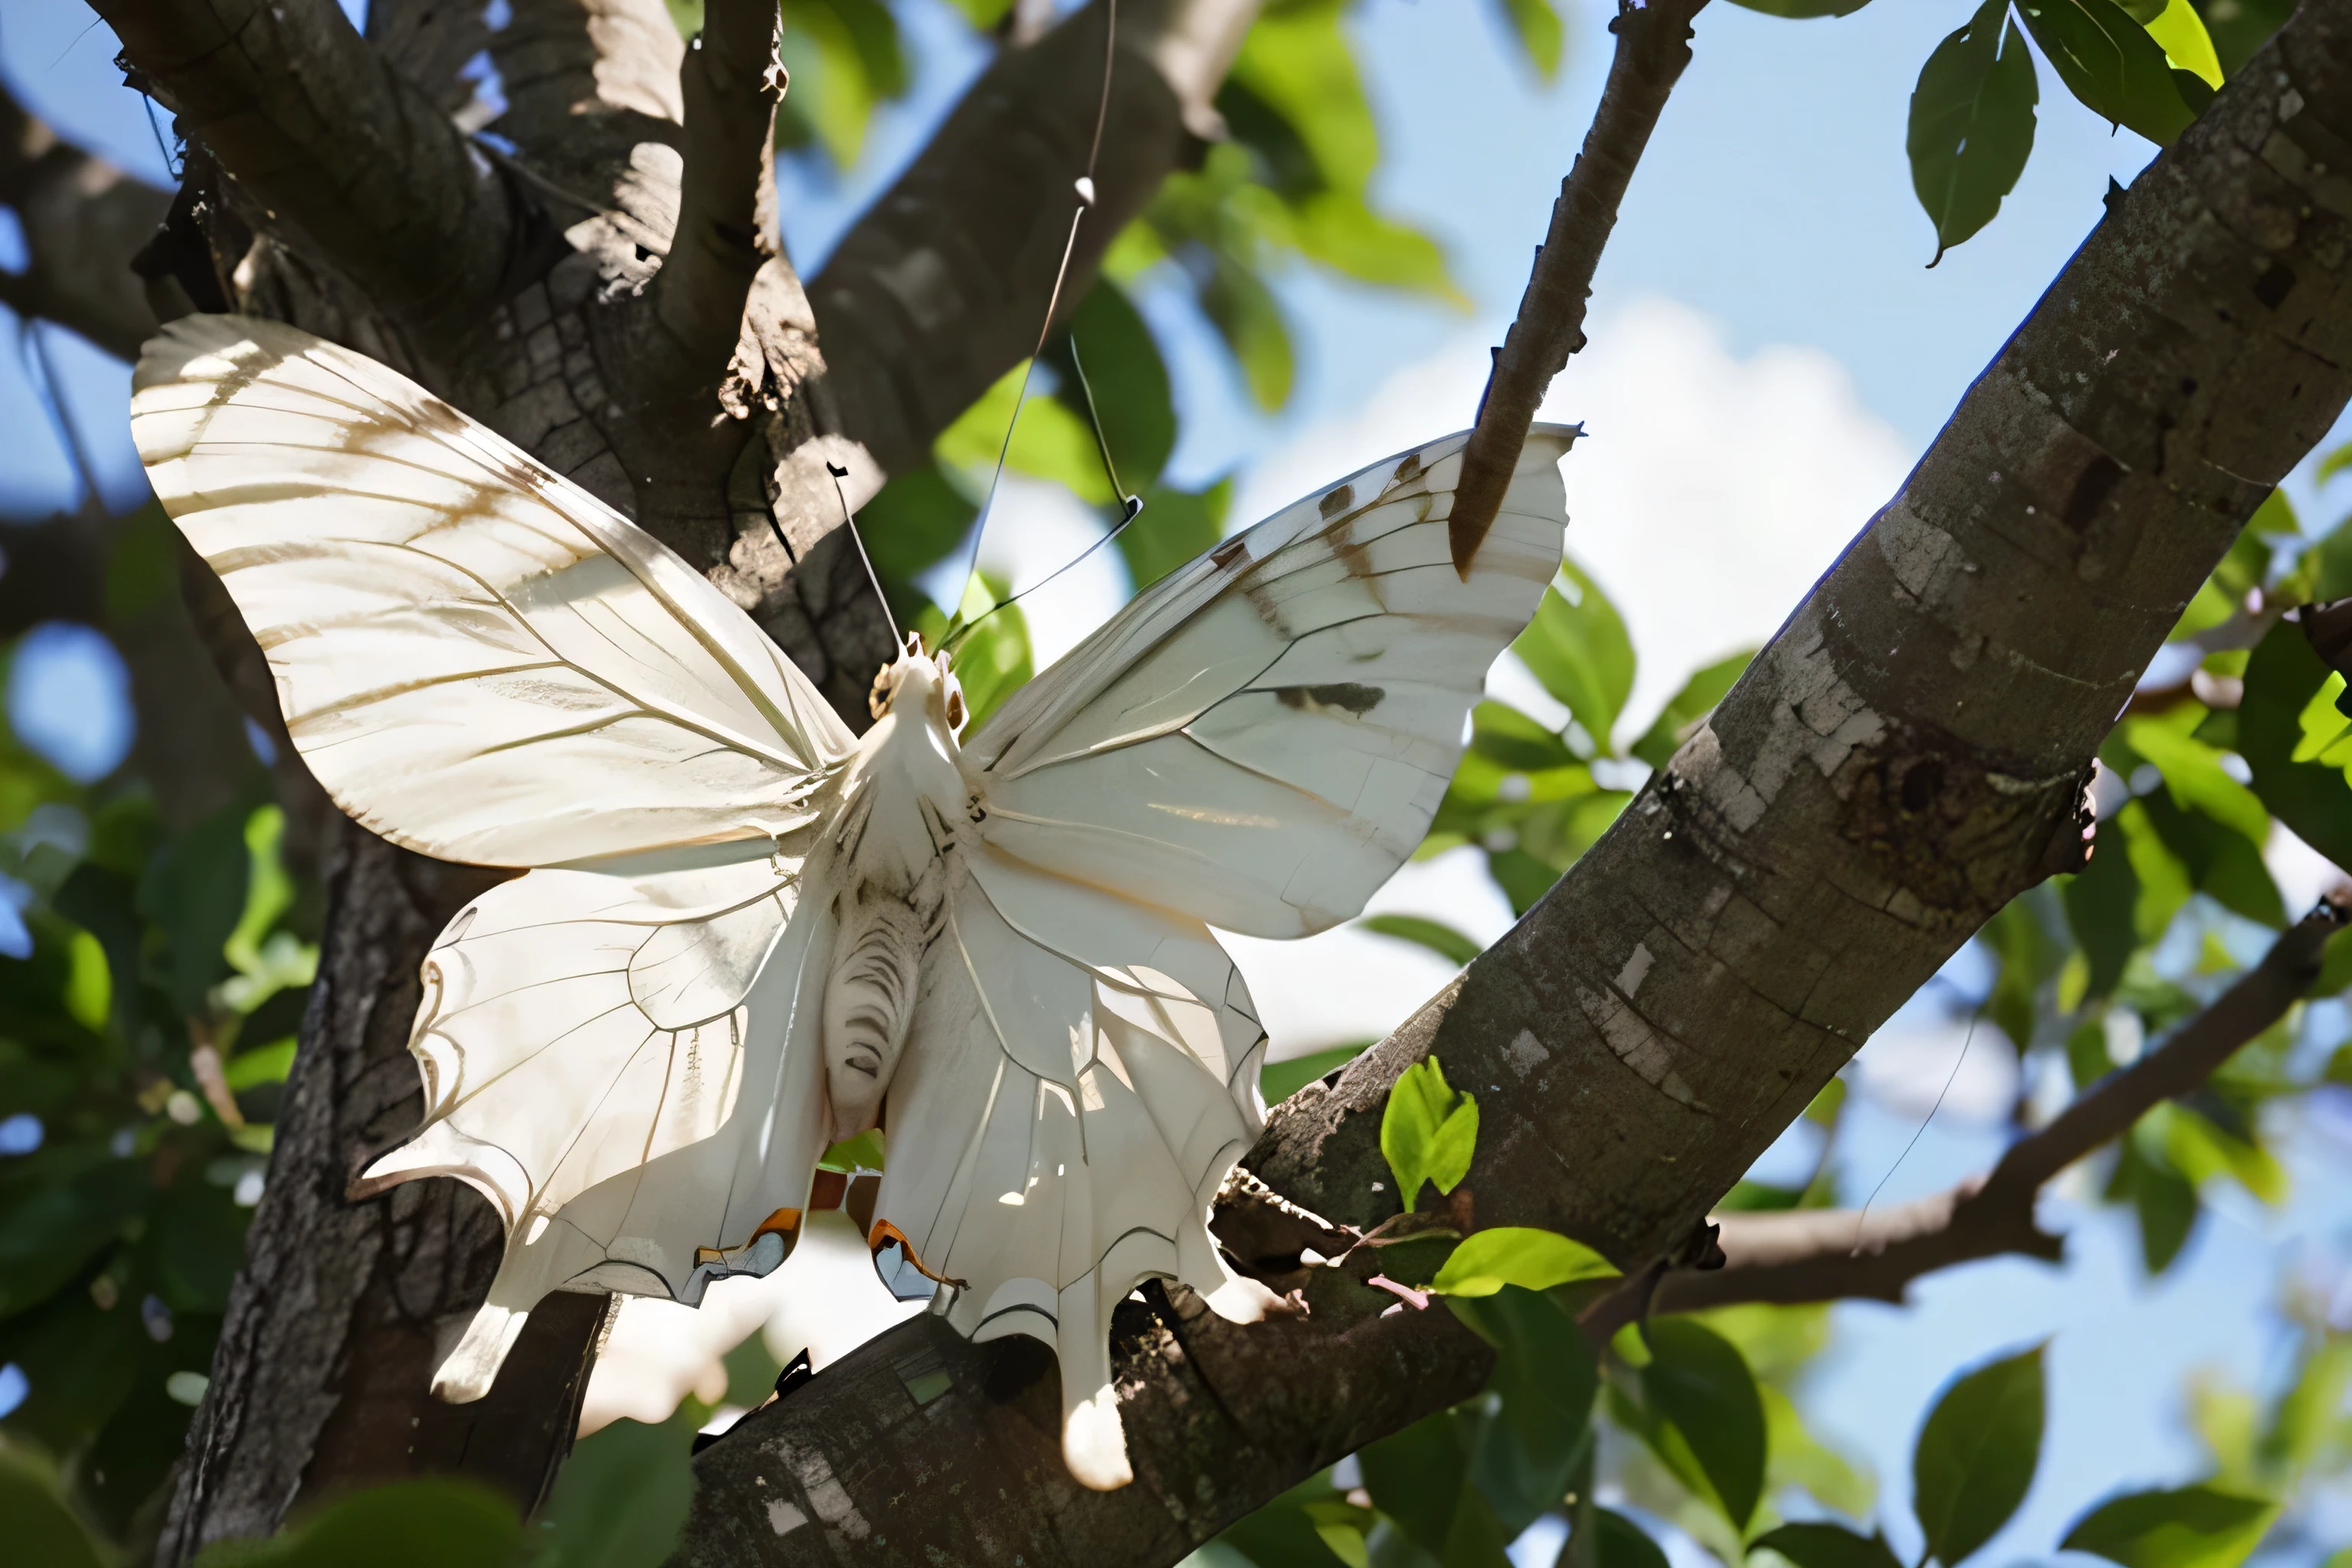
(1772, 217)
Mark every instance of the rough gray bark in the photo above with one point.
(1909, 753)
(341, 183)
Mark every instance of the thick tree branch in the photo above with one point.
(301, 113)
(1824, 1255)
(1653, 47)
(1908, 754)
(731, 83)
(83, 220)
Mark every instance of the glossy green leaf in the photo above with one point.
(2108, 62)
(863, 1152)
(1977, 1455)
(2193, 775)
(1538, 28)
(1577, 647)
(1435, 935)
(2188, 1527)
(1421, 1479)
(992, 660)
(1698, 1382)
(2221, 861)
(1122, 364)
(1532, 1259)
(2029, 958)
(913, 523)
(1622, 1544)
(1428, 1132)
(1310, 1526)
(1048, 441)
(2312, 799)
(1247, 316)
(1680, 717)
(1972, 124)
(1277, 1081)
(1828, 1546)
(1545, 1375)
(2101, 901)
(448, 1523)
(2180, 33)
(195, 891)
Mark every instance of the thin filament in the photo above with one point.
(1950, 1078)
(1086, 196)
(849, 521)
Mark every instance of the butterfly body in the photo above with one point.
(745, 932)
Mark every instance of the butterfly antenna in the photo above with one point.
(1085, 190)
(849, 520)
(1130, 508)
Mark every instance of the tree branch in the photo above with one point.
(1653, 47)
(83, 220)
(301, 113)
(1908, 755)
(1824, 1255)
(726, 231)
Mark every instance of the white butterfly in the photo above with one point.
(748, 933)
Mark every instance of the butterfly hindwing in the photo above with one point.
(477, 658)
(1262, 738)
(1080, 1077)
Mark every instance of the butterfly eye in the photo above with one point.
(877, 702)
(955, 709)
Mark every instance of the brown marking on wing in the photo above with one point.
(1234, 550)
(1409, 468)
(1346, 696)
(1337, 502)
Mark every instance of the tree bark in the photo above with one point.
(509, 243)
(1910, 752)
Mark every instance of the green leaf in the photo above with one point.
(2108, 62)
(1620, 1543)
(2201, 1152)
(1532, 1259)
(1048, 441)
(1537, 28)
(1277, 1081)
(845, 58)
(913, 521)
(1699, 1383)
(621, 1498)
(1247, 316)
(2219, 861)
(2100, 902)
(1176, 526)
(2180, 33)
(2311, 799)
(1679, 720)
(448, 1523)
(1435, 935)
(1828, 1546)
(195, 889)
(41, 1526)
(1427, 1132)
(1504, 735)
(1972, 124)
(1976, 1456)
(992, 660)
(1122, 364)
(1310, 1526)
(851, 1155)
(1545, 1375)
(1577, 647)
(2193, 776)
(2189, 1527)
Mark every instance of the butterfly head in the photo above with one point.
(919, 683)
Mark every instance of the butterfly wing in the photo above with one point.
(1080, 1076)
(478, 659)
(628, 1068)
(1260, 739)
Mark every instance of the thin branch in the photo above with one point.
(1653, 47)
(1823, 1255)
(302, 113)
(727, 206)
(83, 220)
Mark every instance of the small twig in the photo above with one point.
(1653, 47)
(1822, 1254)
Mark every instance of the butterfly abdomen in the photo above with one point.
(870, 998)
